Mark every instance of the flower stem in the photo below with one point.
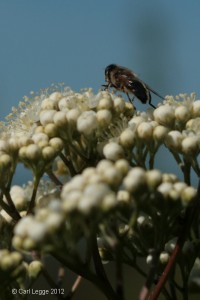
(188, 220)
(32, 202)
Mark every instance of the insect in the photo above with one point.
(123, 79)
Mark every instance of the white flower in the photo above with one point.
(93, 197)
(46, 116)
(196, 109)
(160, 132)
(87, 122)
(145, 130)
(70, 202)
(174, 139)
(136, 120)
(119, 104)
(164, 115)
(18, 196)
(135, 179)
(60, 119)
(191, 145)
(164, 257)
(188, 194)
(154, 178)
(78, 182)
(104, 117)
(34, 268)
(165, 188)
(33, 152)
(48, 104)
(127, 138)
(103, 165)
(194, 125)
(72, 116)
(111, 176)
(182, 113)
(105, 103)
(122, 166)
(113, 151)
(40, 136)
(123, 196)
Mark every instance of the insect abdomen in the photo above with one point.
(140, 91)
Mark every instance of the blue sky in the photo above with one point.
(47, 41)
(72, 41)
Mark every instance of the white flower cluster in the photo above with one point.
(175, 123)
(78, 122)
(89, 126)
(93, 191)
(9, 260)
(21, 196)
(32, 231)
(99, 192)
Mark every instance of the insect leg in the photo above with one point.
(106, 86)
(151, 103)
(130, 100)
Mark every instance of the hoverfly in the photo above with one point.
(123, 79)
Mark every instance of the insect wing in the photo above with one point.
(139, 90)
(154, 92)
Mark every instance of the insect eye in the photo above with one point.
(109, 69)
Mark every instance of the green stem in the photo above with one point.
(10, 208)
(69, 164)
(84, 272)
(53, 178)
(33, 197)
(119, 273)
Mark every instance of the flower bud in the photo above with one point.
(72, 116)
(40, 136)
(196, 108)
(191, 145)
(119, 104)
(5, 161)
(46, 116)
(164, 115)
(105, 103)
(127, 138)
(122, 166)
(154, 178)
(56, 143)
(145, 131)
(60, 119)
(111, 176)
(48, 153)
(149, 259)
(51, 130)
(87, 122)
(173, 140)
(188, 194)
(182, 113)
(135, 180)
(123, 196)
(164, 258)
(33, 152)
(48, 104)
(159, 133)
(104, 117)
(113, 151)
(165, 188)
(34, 268)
